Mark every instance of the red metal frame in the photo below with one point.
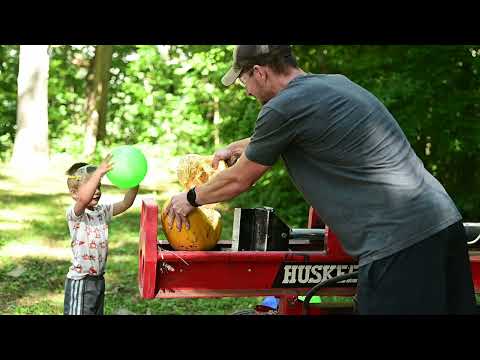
(236, 273)
(147, 250)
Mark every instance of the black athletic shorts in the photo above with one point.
(430, 277)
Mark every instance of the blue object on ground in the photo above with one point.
(271, 302)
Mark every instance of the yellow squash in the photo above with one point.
(195, 170)
(205, 221)
(204, 233)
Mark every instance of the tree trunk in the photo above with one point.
(216, 121)
(97, 95)
(30, 150)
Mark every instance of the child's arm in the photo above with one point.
(128, 200)
(87, 190)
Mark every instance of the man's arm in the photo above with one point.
(276, 133)
(230, 182)
(224, 186)
(127, 201)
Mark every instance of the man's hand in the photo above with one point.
(178, 209)
(224, 154)
(231, 153)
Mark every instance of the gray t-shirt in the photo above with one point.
(352, 162)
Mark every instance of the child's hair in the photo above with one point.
(77, 173)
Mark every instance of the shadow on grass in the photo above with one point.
(7, 197)
(40, 276)
(42, 216)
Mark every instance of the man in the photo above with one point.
(352, 162)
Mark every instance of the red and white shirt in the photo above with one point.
(89, 234)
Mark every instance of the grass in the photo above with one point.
(34, 244)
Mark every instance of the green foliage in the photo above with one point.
(8, 97)
(166, 96)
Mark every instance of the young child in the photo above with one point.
(88, 224)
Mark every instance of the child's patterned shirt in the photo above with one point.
(89, 234)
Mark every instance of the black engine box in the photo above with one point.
(259, 229)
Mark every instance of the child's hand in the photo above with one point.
(106, 165)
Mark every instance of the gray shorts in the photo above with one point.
(85, 296)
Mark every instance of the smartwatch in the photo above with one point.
(192, 196)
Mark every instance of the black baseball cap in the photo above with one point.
(247, 55)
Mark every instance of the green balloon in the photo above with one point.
(129, 167)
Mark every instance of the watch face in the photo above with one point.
(191, 197)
